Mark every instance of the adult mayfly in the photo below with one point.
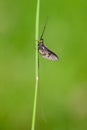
(44, 51)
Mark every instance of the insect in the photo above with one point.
(44, 51)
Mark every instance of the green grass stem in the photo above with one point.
(36, 63)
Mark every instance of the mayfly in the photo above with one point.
(44, 51)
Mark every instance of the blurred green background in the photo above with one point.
(63, 84)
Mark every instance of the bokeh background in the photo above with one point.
(63, 84)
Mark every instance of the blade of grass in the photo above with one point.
(36, 63)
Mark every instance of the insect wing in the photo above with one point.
(50, 55)
(46, 53)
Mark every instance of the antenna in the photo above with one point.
(44, 28)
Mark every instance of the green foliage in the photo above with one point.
(63, 84)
